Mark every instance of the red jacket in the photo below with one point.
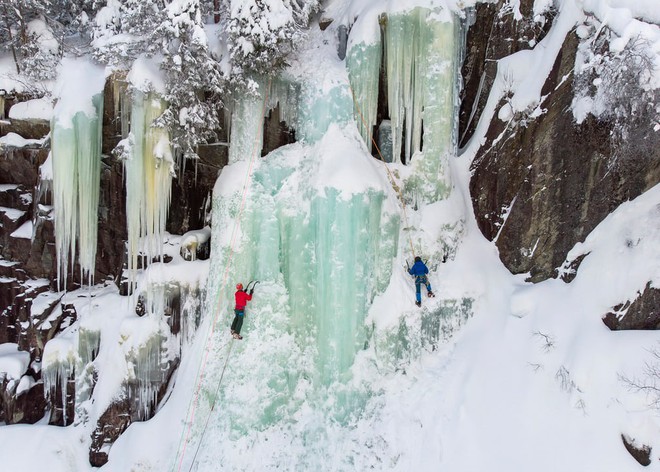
(241, 299)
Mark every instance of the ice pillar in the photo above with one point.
(363, 64)
(148, 172)
(76, 154)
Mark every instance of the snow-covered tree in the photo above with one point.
(36, 32)
(262, 33)
(617, 84)
(193, 77)
(24, 32)
(174, 32)
(124, 29)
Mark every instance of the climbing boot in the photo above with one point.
(431, 294)
(418, 303)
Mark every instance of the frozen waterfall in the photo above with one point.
(148, 172)
(76, 159)
(330, 241)
(419, 51)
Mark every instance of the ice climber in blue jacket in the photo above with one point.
(420, 271)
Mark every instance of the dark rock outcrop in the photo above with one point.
(494, 34)
(109, 427)
(25, 407)
(642, 454)
(641, 313)
(28, 129)
(556, 178)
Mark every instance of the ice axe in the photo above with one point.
(255, 282)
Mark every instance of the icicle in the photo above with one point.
(58, 366)
(89, 341)
(122, 105)
(363, 63)
(246, 136)
(406, 37)
(287, 95)
(148, 174)
(76, 155)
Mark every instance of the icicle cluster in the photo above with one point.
(122, 105)
(149, 345)
(420, 59)
(148, 172)
(286, 94)
(89, 342)
(363, 64)
(58, 366)
(246, 136)
(76, 161)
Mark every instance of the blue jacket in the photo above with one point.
(418, 268)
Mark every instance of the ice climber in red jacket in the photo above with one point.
(242, 297)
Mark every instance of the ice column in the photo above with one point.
(58, 367)
(440, 99)
(406, 36)
(89, 341)
(363, 64)
(246, 135)
(420, 52)
(148, 172)
(76, 155)
(122, 104)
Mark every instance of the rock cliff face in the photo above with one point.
(542, 185)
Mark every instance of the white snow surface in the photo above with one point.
(12, 213)
(39, 108)
(146, 76)
(532, 382)
(24, 232)
(16, 140)
(79, 79)
(13, 362)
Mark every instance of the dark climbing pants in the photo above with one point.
(238, 321)
(419, 280)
